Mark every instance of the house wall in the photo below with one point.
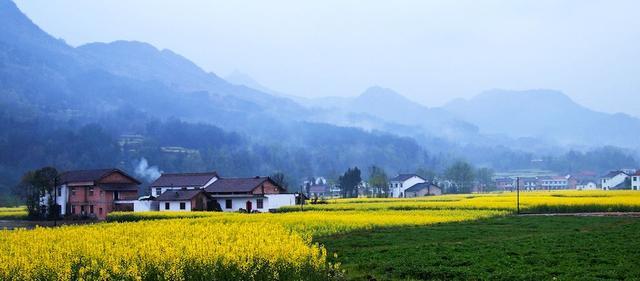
(241, 203)
(275, 201)
(635, 183)
(402, 186)
(174, 206)
(433, 190)
(608, 183)
(267, 188)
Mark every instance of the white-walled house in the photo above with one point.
(184, 200)
(182, 181)
(399, 184)
(208, 192)
(589, 185)
(635, 181)
(613, 180)
(251, 194)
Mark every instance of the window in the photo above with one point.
(73, 209)
(259, 203)
(59, 191)
(167, 206)
(100, 211)
(183, 205)
(90, 209)
(82, 209)
(101, 194)
(228, 204)
(91, 191)
(158, 191)
(116, 195)
(73, 191)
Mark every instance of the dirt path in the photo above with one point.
(595, 214)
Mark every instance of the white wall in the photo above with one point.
(616, 180)
(61, 199)
(145, 206)
(397, 191)
(280, 200)
(174, 205)
(588, 186)
(635, 182)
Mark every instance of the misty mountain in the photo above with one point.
(546, 115)
(52, 94)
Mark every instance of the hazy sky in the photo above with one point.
(430, 51)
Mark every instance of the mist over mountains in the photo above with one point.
(52, 94)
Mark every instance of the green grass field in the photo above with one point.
(501, 248)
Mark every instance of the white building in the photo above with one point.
(182, 181)
(587, 186)
(635, 181)
(614, 180)
(399, 184)
(260, 194)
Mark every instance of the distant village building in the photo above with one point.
(587, 185)
(319, 191)
(635, 181)
(422, 189)
(554, 183)
(95, 193)
(401, 186)
(505, 184)
(208, 191)
(614, 180)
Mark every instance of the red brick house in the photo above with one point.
(95, 193)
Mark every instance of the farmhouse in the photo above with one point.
(185, 200)
(402, 182)
(182, 181)
(250, 194)
(614, 180)
(635, 181)
(422, 189)
(95, 193)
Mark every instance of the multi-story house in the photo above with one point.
(399, 184)
(95, 193)
(635, 181)
(614, 180)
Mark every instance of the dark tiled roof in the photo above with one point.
(613, 174)
(420, 186)
(179, 195)
(404, 177)
(183, 180)
(90, 175)
(225, 185)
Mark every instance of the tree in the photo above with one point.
(379, 181)
(280, 179)
(484, 176)
(461, 175)
(349, 182)
(36, 185)
(426, 174)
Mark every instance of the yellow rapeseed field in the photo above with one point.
(269, 246)
(538, 201)
(180, 249)
(13, 213)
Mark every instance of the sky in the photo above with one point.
(429, 51)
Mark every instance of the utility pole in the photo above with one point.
(55, 201)
(518, 194)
